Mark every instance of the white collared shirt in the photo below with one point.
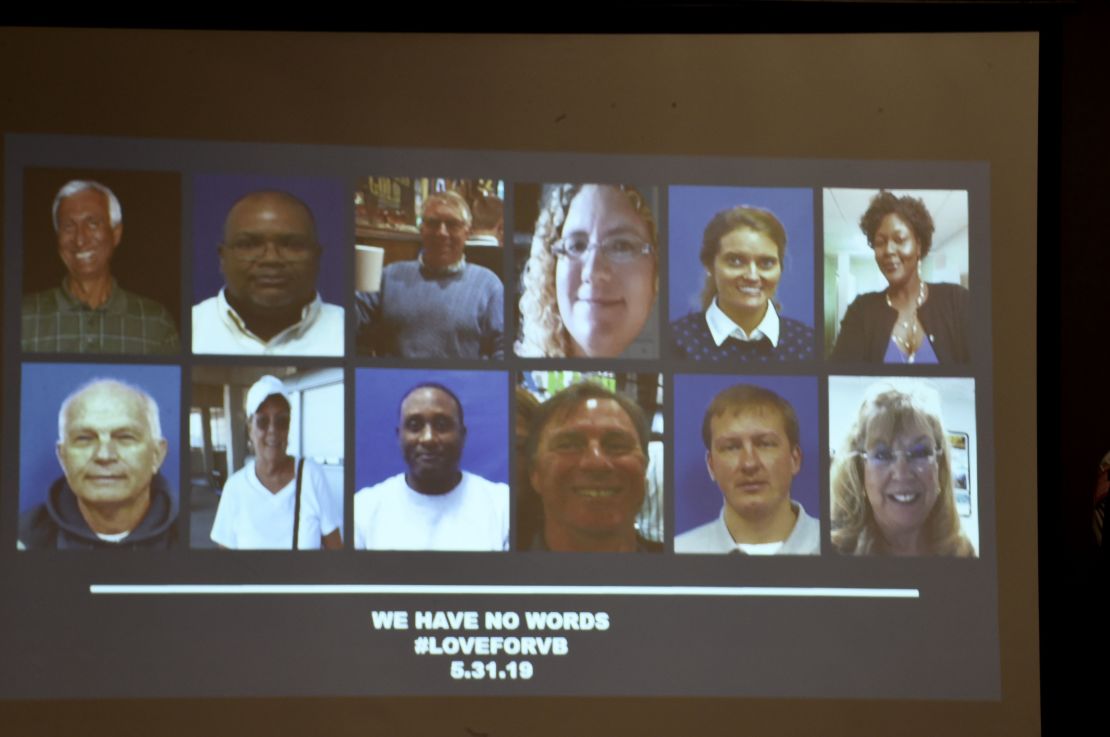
(448, 269)
(721, 326)
(218, 328)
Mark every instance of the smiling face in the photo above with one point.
(604, 306)
(589, 472)
(897, 251)
(746, 272)
(269, 257)
(753, 462)
(900, 476)
(86, 237)
(432, 437)
(107, 452)
(443, 233)
(269, 429)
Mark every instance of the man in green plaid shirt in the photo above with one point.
(89, 312)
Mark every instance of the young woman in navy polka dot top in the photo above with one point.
(742, 252)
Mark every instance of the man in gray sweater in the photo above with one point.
(437, 306)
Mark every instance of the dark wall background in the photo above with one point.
(1074, 427)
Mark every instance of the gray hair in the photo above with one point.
(453, 199)
(150, 407)
(74, 186)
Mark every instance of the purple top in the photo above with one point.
(925, 353)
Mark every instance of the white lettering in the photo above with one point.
(446, 620)
(502, 620)
(567, 620)
(390, 620)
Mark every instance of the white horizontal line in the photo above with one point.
(520, 590)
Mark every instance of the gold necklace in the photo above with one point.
(909, 326)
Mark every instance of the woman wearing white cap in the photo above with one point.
(263, 502)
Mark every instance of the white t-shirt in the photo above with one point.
(472, 516)
(251, 517)
(218, 328)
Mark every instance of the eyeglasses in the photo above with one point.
(919, 457)
(616, 250)
(281, 422)
(288, 247)
(433, 224)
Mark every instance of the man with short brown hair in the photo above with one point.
(753, 453)
(587, 460)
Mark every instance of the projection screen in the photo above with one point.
(621, 367)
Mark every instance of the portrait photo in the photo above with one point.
(588, 259)
(429, 267)
(896, 276)
(266, 446)
(590, 461)
(904, 475)
(99, 456)
(101, 261)
(746, 449)
(432, 460)
(741, 274)
(271, 256)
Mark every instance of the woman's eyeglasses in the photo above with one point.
(917, 457)
(616, 250)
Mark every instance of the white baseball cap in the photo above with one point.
(262, 390)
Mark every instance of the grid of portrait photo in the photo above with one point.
(382, 352)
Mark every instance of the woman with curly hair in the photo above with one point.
(910, 321)
(590, 282)
(742, 252)
(892, 483)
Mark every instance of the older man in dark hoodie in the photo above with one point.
(110, 447)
